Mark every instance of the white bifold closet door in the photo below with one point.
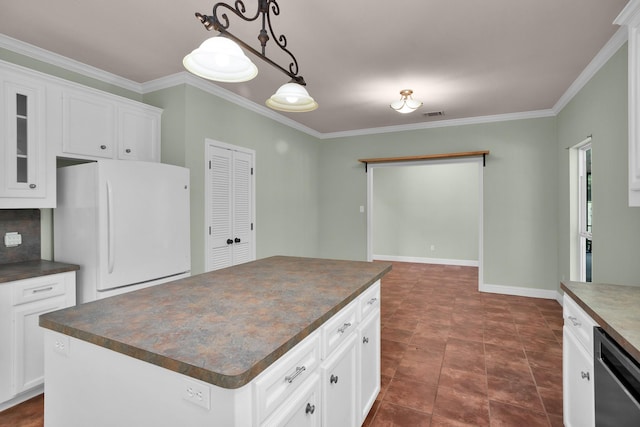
(230, 207)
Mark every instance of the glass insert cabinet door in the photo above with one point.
(23, 154)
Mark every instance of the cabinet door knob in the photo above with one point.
(333, 379)
(32, 186)
(229, 242)
(365, 340)
(310, 409)
(128, 150)
(103, 147)
(237, 240)
(584, 375)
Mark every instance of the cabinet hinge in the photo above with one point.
(251, 171)
(251, 226)
(209, 164)
(209, 231)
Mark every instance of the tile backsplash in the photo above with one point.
(27, 223)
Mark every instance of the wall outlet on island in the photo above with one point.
(432, 248)
(197, 393)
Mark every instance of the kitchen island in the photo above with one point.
(240, 346)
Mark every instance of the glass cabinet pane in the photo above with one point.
(22, 139)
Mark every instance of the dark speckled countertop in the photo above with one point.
(30, 269)
(223, 327)
(616, 308)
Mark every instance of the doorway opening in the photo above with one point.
(427, 211)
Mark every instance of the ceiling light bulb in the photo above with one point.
(222, 60)
(292, 97)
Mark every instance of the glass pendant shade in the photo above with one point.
(220, 59)
(406, 104)
(292, 97)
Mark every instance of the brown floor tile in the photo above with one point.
(397, 335)
(505, 415)
(551, 399)
(461, 407)
(411, 394)
(390, 415)
(519, 393)
(463, 381)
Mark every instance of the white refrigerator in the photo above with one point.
(125, 223)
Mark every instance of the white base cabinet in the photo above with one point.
(317, 383)
(21, 303)
(577, 366)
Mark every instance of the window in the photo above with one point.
(584, 211)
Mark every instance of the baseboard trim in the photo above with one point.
(520, 291)
(421, 260)
(22, 397)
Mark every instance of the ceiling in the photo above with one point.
(468, 58)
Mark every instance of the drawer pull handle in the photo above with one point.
(333, 379)
(128, 150)
(372, 301)
(47, 289)
(103, 147)
(365, 340)
(584, 375)
(344, 327)
(574, 320)
(310, 408)
(299, 370)
(32, 186)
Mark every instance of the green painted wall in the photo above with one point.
(520, 197)
(600, 110)
(419, 207)
(286, 168)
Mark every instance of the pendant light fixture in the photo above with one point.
(221, 58)
(292, 97)
(406, 103)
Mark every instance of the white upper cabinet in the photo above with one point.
(26, 167)
(97, 125)
(630, 16)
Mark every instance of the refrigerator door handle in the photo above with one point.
(110, 228)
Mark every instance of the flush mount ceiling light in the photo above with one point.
(406, 103)
(221, 59)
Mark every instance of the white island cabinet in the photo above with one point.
(328, 376)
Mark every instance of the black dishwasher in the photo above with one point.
(617, 383)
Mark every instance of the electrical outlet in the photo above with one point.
(12, 239)
(433, 248)
(61, 344)
(197, 393)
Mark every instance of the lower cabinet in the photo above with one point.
(302, 410)
(339, 386)
(369, 366)
(577, 366)
(578, 399)
(22, 302)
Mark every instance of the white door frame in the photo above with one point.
(479, 160)
(207, 187)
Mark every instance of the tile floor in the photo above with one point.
(451, 356)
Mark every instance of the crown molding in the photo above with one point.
(66, 63)
(443, 123)
(630, 14)
(609, 49)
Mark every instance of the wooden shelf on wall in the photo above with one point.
(366, 162)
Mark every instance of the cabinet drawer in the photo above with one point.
(370, 300)
(339, 327)
(278, 382)
(578, 322)
(38, 288)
